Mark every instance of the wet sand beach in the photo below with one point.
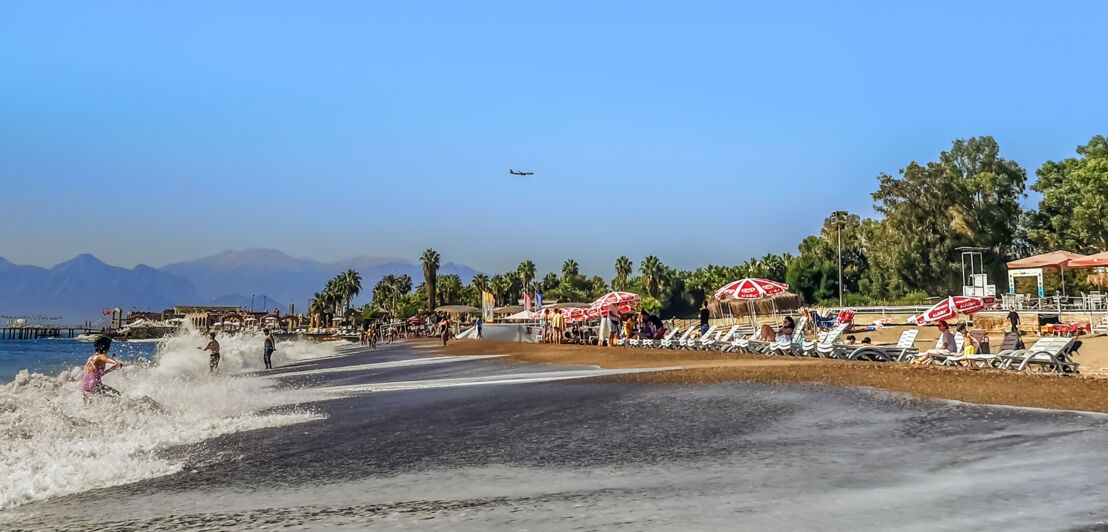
(983, 386)
(408, 437)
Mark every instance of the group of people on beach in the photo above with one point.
(100, 364)
(269, 346)
(369, 337)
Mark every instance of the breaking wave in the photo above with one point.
(53, 442)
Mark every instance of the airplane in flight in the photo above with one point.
(513, 172)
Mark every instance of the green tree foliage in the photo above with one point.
(624, 268)
(526, 272)
(450, 290)
(570, 268)
(970, 197)
(1073, 214)
(500, 285)
(653, 275)
(480, 283)
(430, 262)
(549, 282)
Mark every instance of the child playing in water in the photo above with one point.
(96, 367)
(213, 360)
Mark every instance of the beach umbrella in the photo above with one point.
(577, 314)
(617, 298)
(951, 307)
(751, 289)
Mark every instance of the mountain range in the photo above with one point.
(78, 289)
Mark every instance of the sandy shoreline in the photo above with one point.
(1085, 393)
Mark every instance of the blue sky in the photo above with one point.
(700, 132)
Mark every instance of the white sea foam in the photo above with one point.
(53, 443)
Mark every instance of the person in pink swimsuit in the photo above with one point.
(96, 367)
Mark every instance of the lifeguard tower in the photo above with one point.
(975, 282)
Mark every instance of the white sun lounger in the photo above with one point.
(792, 344)
(670, 343)
(827, 347)
(725, 338)
(905, 347)
(709, 338)
(941, 356)
(657, 343)
(693, 343)
(1048, 352)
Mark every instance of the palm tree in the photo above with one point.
(430, 261)
(352, 284)
(526, 273)
(450, 287)
(480, 282)
(653, 272)
(386, 295)
(624, 267)
(499, 284)
(569, 269)
(316, 307)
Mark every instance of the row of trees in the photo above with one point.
(336, 296)
(970, 196)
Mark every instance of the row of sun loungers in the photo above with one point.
(1048, 353)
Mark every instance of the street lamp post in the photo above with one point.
(251, 302)
(838, 217)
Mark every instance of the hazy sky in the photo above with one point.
(696, 131)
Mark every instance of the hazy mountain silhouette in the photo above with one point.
(289, 279)
(78, 289)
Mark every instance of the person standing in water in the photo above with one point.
(270, 347)
(445, 328)
(96, 367)
(213, 359)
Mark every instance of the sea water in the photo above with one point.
(54, 441)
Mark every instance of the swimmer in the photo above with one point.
(96, 367)
(270, 347)
(213, 360)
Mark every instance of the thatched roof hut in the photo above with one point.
(783, 303)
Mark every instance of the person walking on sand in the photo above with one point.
(559, 323)
(213, 358)
(704, 315)
(96, 367)
(269, 348)
(445, 324)
(480, 325)
(613, 322)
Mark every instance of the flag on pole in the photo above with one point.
(538, 302)
(527, 303)
(487, 304)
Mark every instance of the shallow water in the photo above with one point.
(484, 444)
(54, 442)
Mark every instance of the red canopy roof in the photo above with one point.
(1057, 259)
(1092, 261)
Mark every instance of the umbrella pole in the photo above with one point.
(753, 318)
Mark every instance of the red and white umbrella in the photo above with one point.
(951, 307)
(751, 289)
(575, 315)
(617, 298)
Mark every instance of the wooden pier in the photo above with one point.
(36, 332)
